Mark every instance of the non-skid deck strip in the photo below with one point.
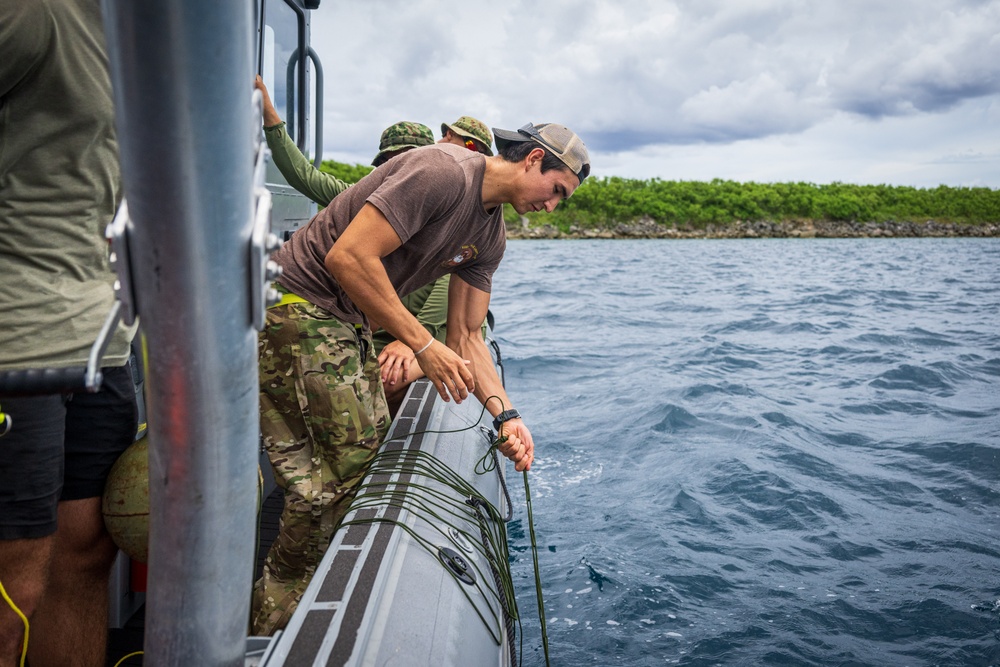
(309, 641)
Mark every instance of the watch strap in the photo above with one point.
(504, 416)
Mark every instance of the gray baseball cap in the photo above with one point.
(558, 139)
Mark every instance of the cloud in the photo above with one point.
(920, 150)
(640, 76)
(929, 61)
(755, 107)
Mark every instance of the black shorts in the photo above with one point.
(61, 448)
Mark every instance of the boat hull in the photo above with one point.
(408, 580)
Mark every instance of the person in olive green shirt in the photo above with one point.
(60, 185)
(322, 187)
(300, 173)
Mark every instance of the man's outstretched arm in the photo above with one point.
(356, 262)
(467, 308)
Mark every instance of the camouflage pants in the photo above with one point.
(323, 415)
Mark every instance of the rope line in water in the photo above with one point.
(534, 559)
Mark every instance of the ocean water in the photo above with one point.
(758, 452)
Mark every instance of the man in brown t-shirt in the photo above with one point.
(431, 211)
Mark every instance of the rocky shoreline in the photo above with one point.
(646, 228)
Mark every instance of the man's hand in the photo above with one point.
(449, 372)
(519, 447)
(394, 361)
(271, 117)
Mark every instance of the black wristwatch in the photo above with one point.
(504, 416)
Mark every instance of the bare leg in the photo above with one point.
(71, 626)
(24, 567)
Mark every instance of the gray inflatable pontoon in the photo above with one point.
(411, 578)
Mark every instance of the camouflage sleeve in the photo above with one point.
(298, 171)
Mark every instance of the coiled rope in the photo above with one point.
(405, 479)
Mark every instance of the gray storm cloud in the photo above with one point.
(632, 75)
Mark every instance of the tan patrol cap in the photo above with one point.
(471, 128)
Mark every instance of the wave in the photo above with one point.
(760, 453)
(908, 377)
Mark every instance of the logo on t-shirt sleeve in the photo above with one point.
(464, 255)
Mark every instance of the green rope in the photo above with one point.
(438, 510)
(534, 559)
(446, 511)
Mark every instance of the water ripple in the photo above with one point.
(781, 452)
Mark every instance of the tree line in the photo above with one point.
(602, 203)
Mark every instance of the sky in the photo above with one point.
(901, 92)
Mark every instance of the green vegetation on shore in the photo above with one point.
(607, 203)
(349, 173)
